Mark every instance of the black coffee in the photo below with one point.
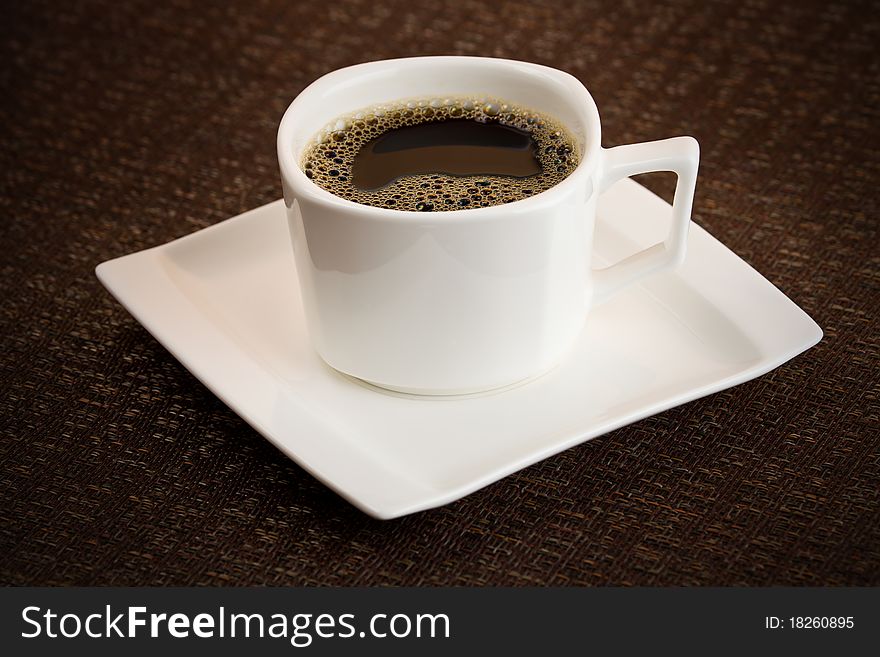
(456, 147)
(441, 154)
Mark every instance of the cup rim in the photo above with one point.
(304, 187)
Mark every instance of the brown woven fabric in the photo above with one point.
(128, 124)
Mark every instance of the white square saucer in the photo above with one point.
(225, 302)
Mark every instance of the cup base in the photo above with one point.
(418, 393)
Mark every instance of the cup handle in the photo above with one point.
(680, 155)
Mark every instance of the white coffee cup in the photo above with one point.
(470, 300)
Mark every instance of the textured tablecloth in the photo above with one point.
(125, 125)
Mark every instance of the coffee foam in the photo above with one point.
(329, 159)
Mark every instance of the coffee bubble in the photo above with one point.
(329, 159)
